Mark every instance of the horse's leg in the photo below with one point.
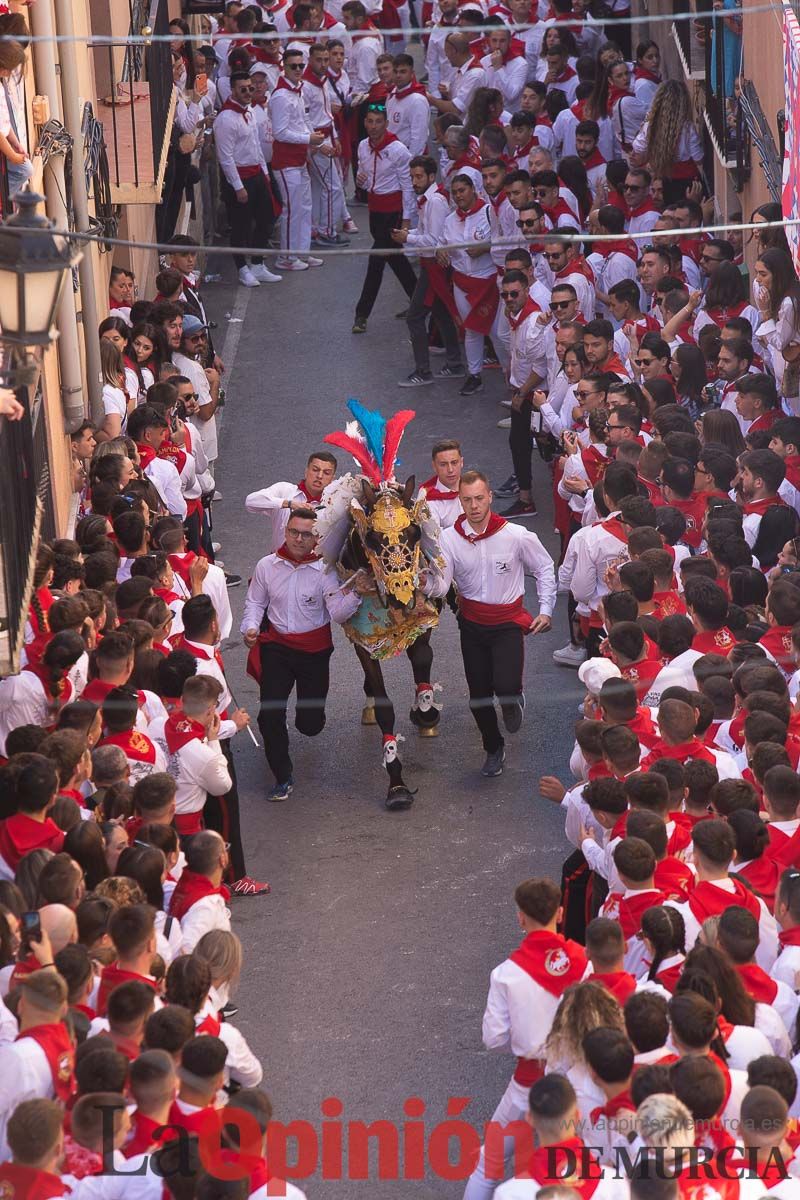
(424, 714)
(368, 711)
(398, 796)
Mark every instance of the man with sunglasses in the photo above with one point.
(245, 189)
(545, 187)
(528, 371)
(567, 265)
(291, 601)
(641, 213)
(293, 138)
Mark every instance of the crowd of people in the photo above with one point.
(657, 380)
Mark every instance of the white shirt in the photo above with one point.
(24, 1075)
(216, 589)
(209, 912)
(165, 479)
(241, 1065)
(597, 551)
(287, 112)
(510, 78)
(386, 171)
(528, 350)
(492, 569)
(476, 227)
(767, 950)
(22, 702)
(408, 115)
(198, 768)
(270, 501)
(207, 664)
(296, 597)
(445, 508)
(361, 61)
(238, 144)
(432, 211)
(464, 83)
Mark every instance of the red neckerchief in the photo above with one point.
(613, 365)
(567, 74)
(629, 910)
(385, 141)
(618, 246)
(231, 105)
(758, 983)
(310, 497)
(411, 89)
(180, 729)
(722, 314)
(770, 1173)
(166, 595)
(789, 937)
(146, 454)
(79, 1161)
(494, 525)
(615, 527)
(495, 201)
(708, 900)
(60, 1053)
(673, 878)
(612, 1108)
(43, 674)
(575, 1157)
(309, 76)
(515, 49)
(594, 462)
(595, 159)
(112, 976)
(553, 962)
(203, 653)
(170, 452)
(28, 1183)
(283, 85)
(778, 640)
(644, 727)
(433, 490)
(282, 552)
(761, 873)
(528, 309)
(687, 750)
(644, 73)
(133, 744)
(180, 564)
(368, 29)
(20, 834)
(190, 888)
(792, 464)
(559, 209)
(25, 966)
(759, 507)
(614, 95)
(669, 604)
(422, 200)
(476, 208)
(668, 978)
(645, 207)
(210, 1025)
(468, 159)
(714, 641)
(620, 983)
(141, 1137)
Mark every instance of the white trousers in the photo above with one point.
(501, 337)
(327, 195)
(485, 1178)
(473, 342)
(295, 222)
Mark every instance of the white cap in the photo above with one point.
(258, 68)
(595, 671)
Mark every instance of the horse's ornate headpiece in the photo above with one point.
(372, 440)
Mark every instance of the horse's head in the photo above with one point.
(388, 527)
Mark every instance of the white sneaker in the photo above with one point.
(247, 278)
(291, 264)
(314, 262)
(504, 423)
(216, 546)
(570, 656)
(263, 275)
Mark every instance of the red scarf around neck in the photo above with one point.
(708, 900)
(60, 1053)
(494, 525)
(180, 729)
(190, 888)
(552, 961)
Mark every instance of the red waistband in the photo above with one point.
(249, 172)
(528, 1071)
(310, 642)
(189, 823)
(385, 201)
(494, 614)
(288, 154)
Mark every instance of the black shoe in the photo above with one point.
(229, 1010)
(416, 379)
(508, 489)
(448, 372)
(359, 325)
(520, 508)
(473, 385)
(512, 715)
(399, 797)
(232, 581)
(401, 316)
(494, 763)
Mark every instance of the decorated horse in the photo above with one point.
(378, 534)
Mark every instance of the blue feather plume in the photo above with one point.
(373, 425)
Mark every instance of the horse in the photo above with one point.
(384, 536)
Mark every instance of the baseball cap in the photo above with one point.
(192, 325)
(595, 671)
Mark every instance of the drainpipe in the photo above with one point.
(70, 93)
(69, 360)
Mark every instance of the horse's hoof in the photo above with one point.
(399, 797)
(368, 715)
(428, 731)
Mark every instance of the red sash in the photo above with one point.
(60, 1053)
(439, 287)
(495, 614)
(483, 297)
(27, 1183)
(20, 834)
(620, 983)
(708, 900)
(111, 977)
(190, 888)
(758, 983)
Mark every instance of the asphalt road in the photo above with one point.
(366, 968)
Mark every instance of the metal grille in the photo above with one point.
(24, 482)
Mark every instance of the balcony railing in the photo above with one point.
(137, 105)
(722, 113)
(690, 49)
(25, 499)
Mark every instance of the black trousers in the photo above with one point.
(221, 813)
(381, 225)
(417, 327)
(251, 223)
(283, 669)
(493, 660)
(520, 441)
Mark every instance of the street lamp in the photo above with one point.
(34, 263)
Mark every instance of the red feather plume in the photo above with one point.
(395, 428)
(359, 452)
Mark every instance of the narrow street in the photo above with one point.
(366, 969)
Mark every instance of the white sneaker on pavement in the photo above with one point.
(570, 656)
(263, 275)
(247, 278)
(314, 262)
(291, 264)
